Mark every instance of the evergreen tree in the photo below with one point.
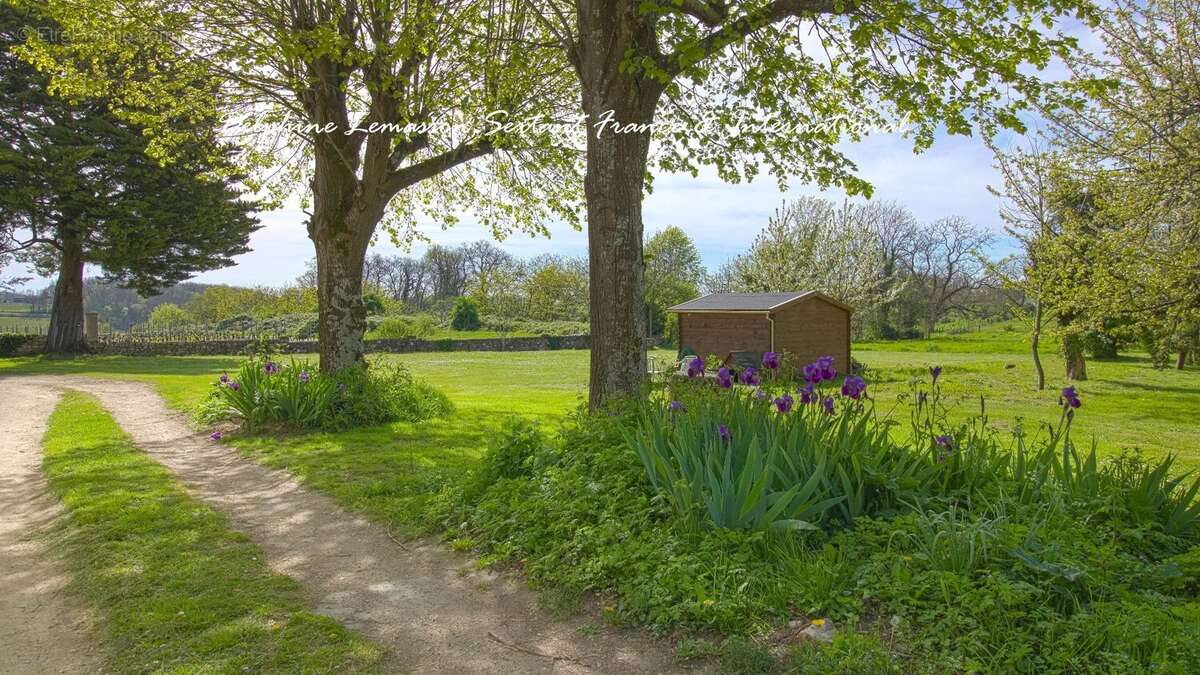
(77, 186)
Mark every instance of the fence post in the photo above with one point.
(91, 326)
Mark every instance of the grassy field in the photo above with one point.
(176, 589)
(1127, 403)
(389, 472)
(17, 317)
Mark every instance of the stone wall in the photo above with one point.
(121, 345)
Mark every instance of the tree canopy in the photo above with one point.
(77, 187)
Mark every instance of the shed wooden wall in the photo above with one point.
(720, 333)
(811, 328)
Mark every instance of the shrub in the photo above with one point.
(398, 327)
(464, 315)
(373, 302)
(168, 315)
(12, 343)
(295, 395)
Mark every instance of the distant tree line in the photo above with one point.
(901, 276)
(542, 288)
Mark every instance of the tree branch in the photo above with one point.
(411, 175)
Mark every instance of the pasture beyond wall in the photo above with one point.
(125, 345)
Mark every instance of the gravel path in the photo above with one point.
(42, 629)
(425, 603)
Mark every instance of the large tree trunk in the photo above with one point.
(615, 175)
(341, 315)
(1073, 353)
(1181, 358)
(1034, 340)
(65, 335)
(613, 183)
(338, 233)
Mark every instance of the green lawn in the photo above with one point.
(176, 589)
(389, 472)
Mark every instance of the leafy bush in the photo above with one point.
(295, 395)
(531, 327)
(11, 343)
(168, 315)
(464, 315)
(398, 327)
(373, 302)
(964, 549)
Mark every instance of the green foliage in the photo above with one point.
(374, 302)
(174, 586)
(147, 225)
(220, 304)
(11, 343)
(850, 653)
(464, 315)
(979, 556)
(167, 316)
(384, 393)
(264, 392)
(397, 327)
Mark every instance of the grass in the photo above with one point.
(389, 472)
(19, 317)
(176, 589)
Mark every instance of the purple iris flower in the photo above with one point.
(935, 372)
(304, 376)
(784, 403)
(224, 379)
(808, 394)
(828, 403)
(944, 441)
(216, 435)
(724, 433)
(677, 407)
(770, 360)
(749, 376)
(724, 378)
(760, 394)
(812, 374)
(695, 367)
(342, 387)
(854, 387)
(1071, 397)
(825, 365)
(271, 368)
(234, 385)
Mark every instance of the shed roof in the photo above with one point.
(750, 302)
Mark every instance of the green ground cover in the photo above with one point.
(176, 589)
(400, 475)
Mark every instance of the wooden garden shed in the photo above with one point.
(807, 324)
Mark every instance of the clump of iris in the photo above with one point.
(770, 360)
(854, 387)
(784, 403)
(819, 371)
(725, 378)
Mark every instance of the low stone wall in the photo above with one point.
(122, 346)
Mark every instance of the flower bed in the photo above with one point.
(762, 503)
